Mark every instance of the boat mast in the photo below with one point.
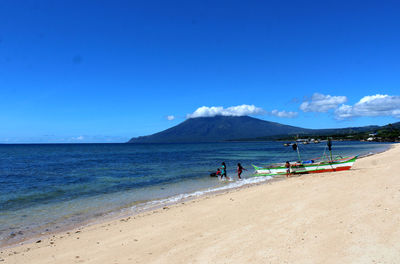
(298, 153)
(295, 147)
(330, 146)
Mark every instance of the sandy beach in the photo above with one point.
(343, 217)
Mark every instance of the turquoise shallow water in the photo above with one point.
(48, 187)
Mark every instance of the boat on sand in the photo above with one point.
(326, 163)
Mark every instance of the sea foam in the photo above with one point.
(186, 196)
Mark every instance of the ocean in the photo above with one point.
(45, 188)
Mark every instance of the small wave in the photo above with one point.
(184, 196)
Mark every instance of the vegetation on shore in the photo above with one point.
(388, 133)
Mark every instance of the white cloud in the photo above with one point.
(343, 112)
(239, 110)
(170, 117)
(373, 105)
(79, 138)
(322, 103)
(284, 114)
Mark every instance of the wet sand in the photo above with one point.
(343, 217)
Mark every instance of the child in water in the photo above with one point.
(223, 171)
(240, 170)
(216, 174)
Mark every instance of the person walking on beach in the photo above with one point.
(240, 170)
(223, 171)
(287, 165)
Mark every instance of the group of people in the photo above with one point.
(221, 172)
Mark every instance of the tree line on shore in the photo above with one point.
(388, 133)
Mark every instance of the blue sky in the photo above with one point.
(105, 71)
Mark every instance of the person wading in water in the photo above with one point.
(240, 170)
(223, 171)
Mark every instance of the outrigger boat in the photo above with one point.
(324, 164)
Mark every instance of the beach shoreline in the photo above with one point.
(96, 230)
(145, 207)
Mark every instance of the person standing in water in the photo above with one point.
(223, 171)
(287, 165)
(240, 170)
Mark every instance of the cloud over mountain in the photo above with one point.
(373, 105)
(284, 114)
(322, 103)
(239, 110)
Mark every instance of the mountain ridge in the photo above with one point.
(230, 128)
(216, 129)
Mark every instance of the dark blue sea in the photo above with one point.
(50, 187)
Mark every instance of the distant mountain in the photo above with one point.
(347, 130)
(395, 125)
(228, 128)
(219, 128)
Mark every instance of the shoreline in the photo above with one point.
(155, 205)
(141, 208)
(240, 208)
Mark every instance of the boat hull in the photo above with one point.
(319, 167)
